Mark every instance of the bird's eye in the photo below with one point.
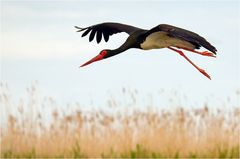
(103, 52)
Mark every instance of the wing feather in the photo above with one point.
(91, 37)
(183, 34)
(106, 29)
(86, 32)
(99, 36)
(106, 37)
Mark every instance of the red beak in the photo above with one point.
(97, 58)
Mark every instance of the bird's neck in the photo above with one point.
(119, 50)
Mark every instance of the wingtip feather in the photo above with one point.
(77, 27)
(80, 29)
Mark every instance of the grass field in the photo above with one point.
(127, 132)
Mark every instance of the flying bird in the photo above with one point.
(161, 36)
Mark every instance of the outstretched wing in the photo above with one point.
(183, 34)
(106, 30)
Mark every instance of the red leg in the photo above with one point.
(204, 53)
(199, 69)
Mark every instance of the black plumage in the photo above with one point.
(161, 36)
(107, 29)
(184, 34)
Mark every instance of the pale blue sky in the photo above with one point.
(39, 42)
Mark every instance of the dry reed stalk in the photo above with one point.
(181, 132)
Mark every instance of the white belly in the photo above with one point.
(161, 40)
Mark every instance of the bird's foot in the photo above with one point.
(204, 73)
(206, 53)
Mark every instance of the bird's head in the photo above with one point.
(102, 55)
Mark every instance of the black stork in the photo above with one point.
(161, 36)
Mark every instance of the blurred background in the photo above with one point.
(40, 45)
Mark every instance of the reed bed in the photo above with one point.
(129, 132)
